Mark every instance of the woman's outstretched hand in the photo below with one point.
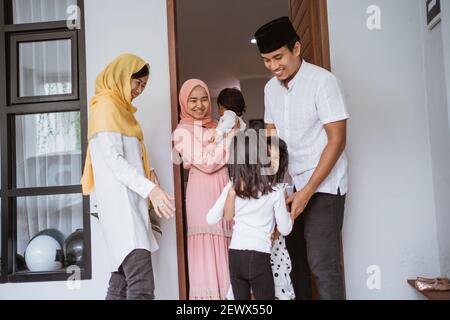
(161, 202)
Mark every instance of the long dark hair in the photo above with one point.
(145, 71)
(283, 157)
(246, 166)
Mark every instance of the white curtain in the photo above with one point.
(48, 152)
(48, 146)
(31, 11)
(45, 68)
(44, 65)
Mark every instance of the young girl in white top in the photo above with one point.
(257, 204)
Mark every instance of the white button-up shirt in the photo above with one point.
(299, 113)
(121, 190)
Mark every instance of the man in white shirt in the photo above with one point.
(305, 107)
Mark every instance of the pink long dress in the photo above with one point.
(207, 244)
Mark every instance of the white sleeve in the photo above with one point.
(226, 123)
(110, 145)
(330, 101)
(243, 125)
(282, 216)
(215, 214)
(267, 116)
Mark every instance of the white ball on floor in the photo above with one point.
(44, 253)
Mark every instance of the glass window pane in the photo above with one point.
(48, 150)
(45, 68)
(49, 233)
(31, 11)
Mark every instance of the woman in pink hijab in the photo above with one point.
(208, 175)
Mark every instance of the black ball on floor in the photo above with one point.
(21, 265)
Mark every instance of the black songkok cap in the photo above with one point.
(275, 34)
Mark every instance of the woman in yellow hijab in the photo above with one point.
(118, 170)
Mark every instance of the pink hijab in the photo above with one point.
(186, 119)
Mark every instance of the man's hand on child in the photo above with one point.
(298, 202)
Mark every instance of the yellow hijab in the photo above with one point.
(111, 110)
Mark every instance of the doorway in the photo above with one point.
(212, 40)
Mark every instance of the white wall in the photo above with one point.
(114, 27)
(446, 47)
(390, 217)
(445, 7)
(438, 115)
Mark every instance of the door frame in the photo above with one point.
(322, 33)
(177, 169)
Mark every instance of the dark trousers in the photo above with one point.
(314, 247)
(251, 270)
(134, 280)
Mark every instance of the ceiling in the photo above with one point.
(213, 39)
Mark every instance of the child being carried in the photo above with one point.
(231, 107)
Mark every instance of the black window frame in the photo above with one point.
(10, 107)
(29, 37)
